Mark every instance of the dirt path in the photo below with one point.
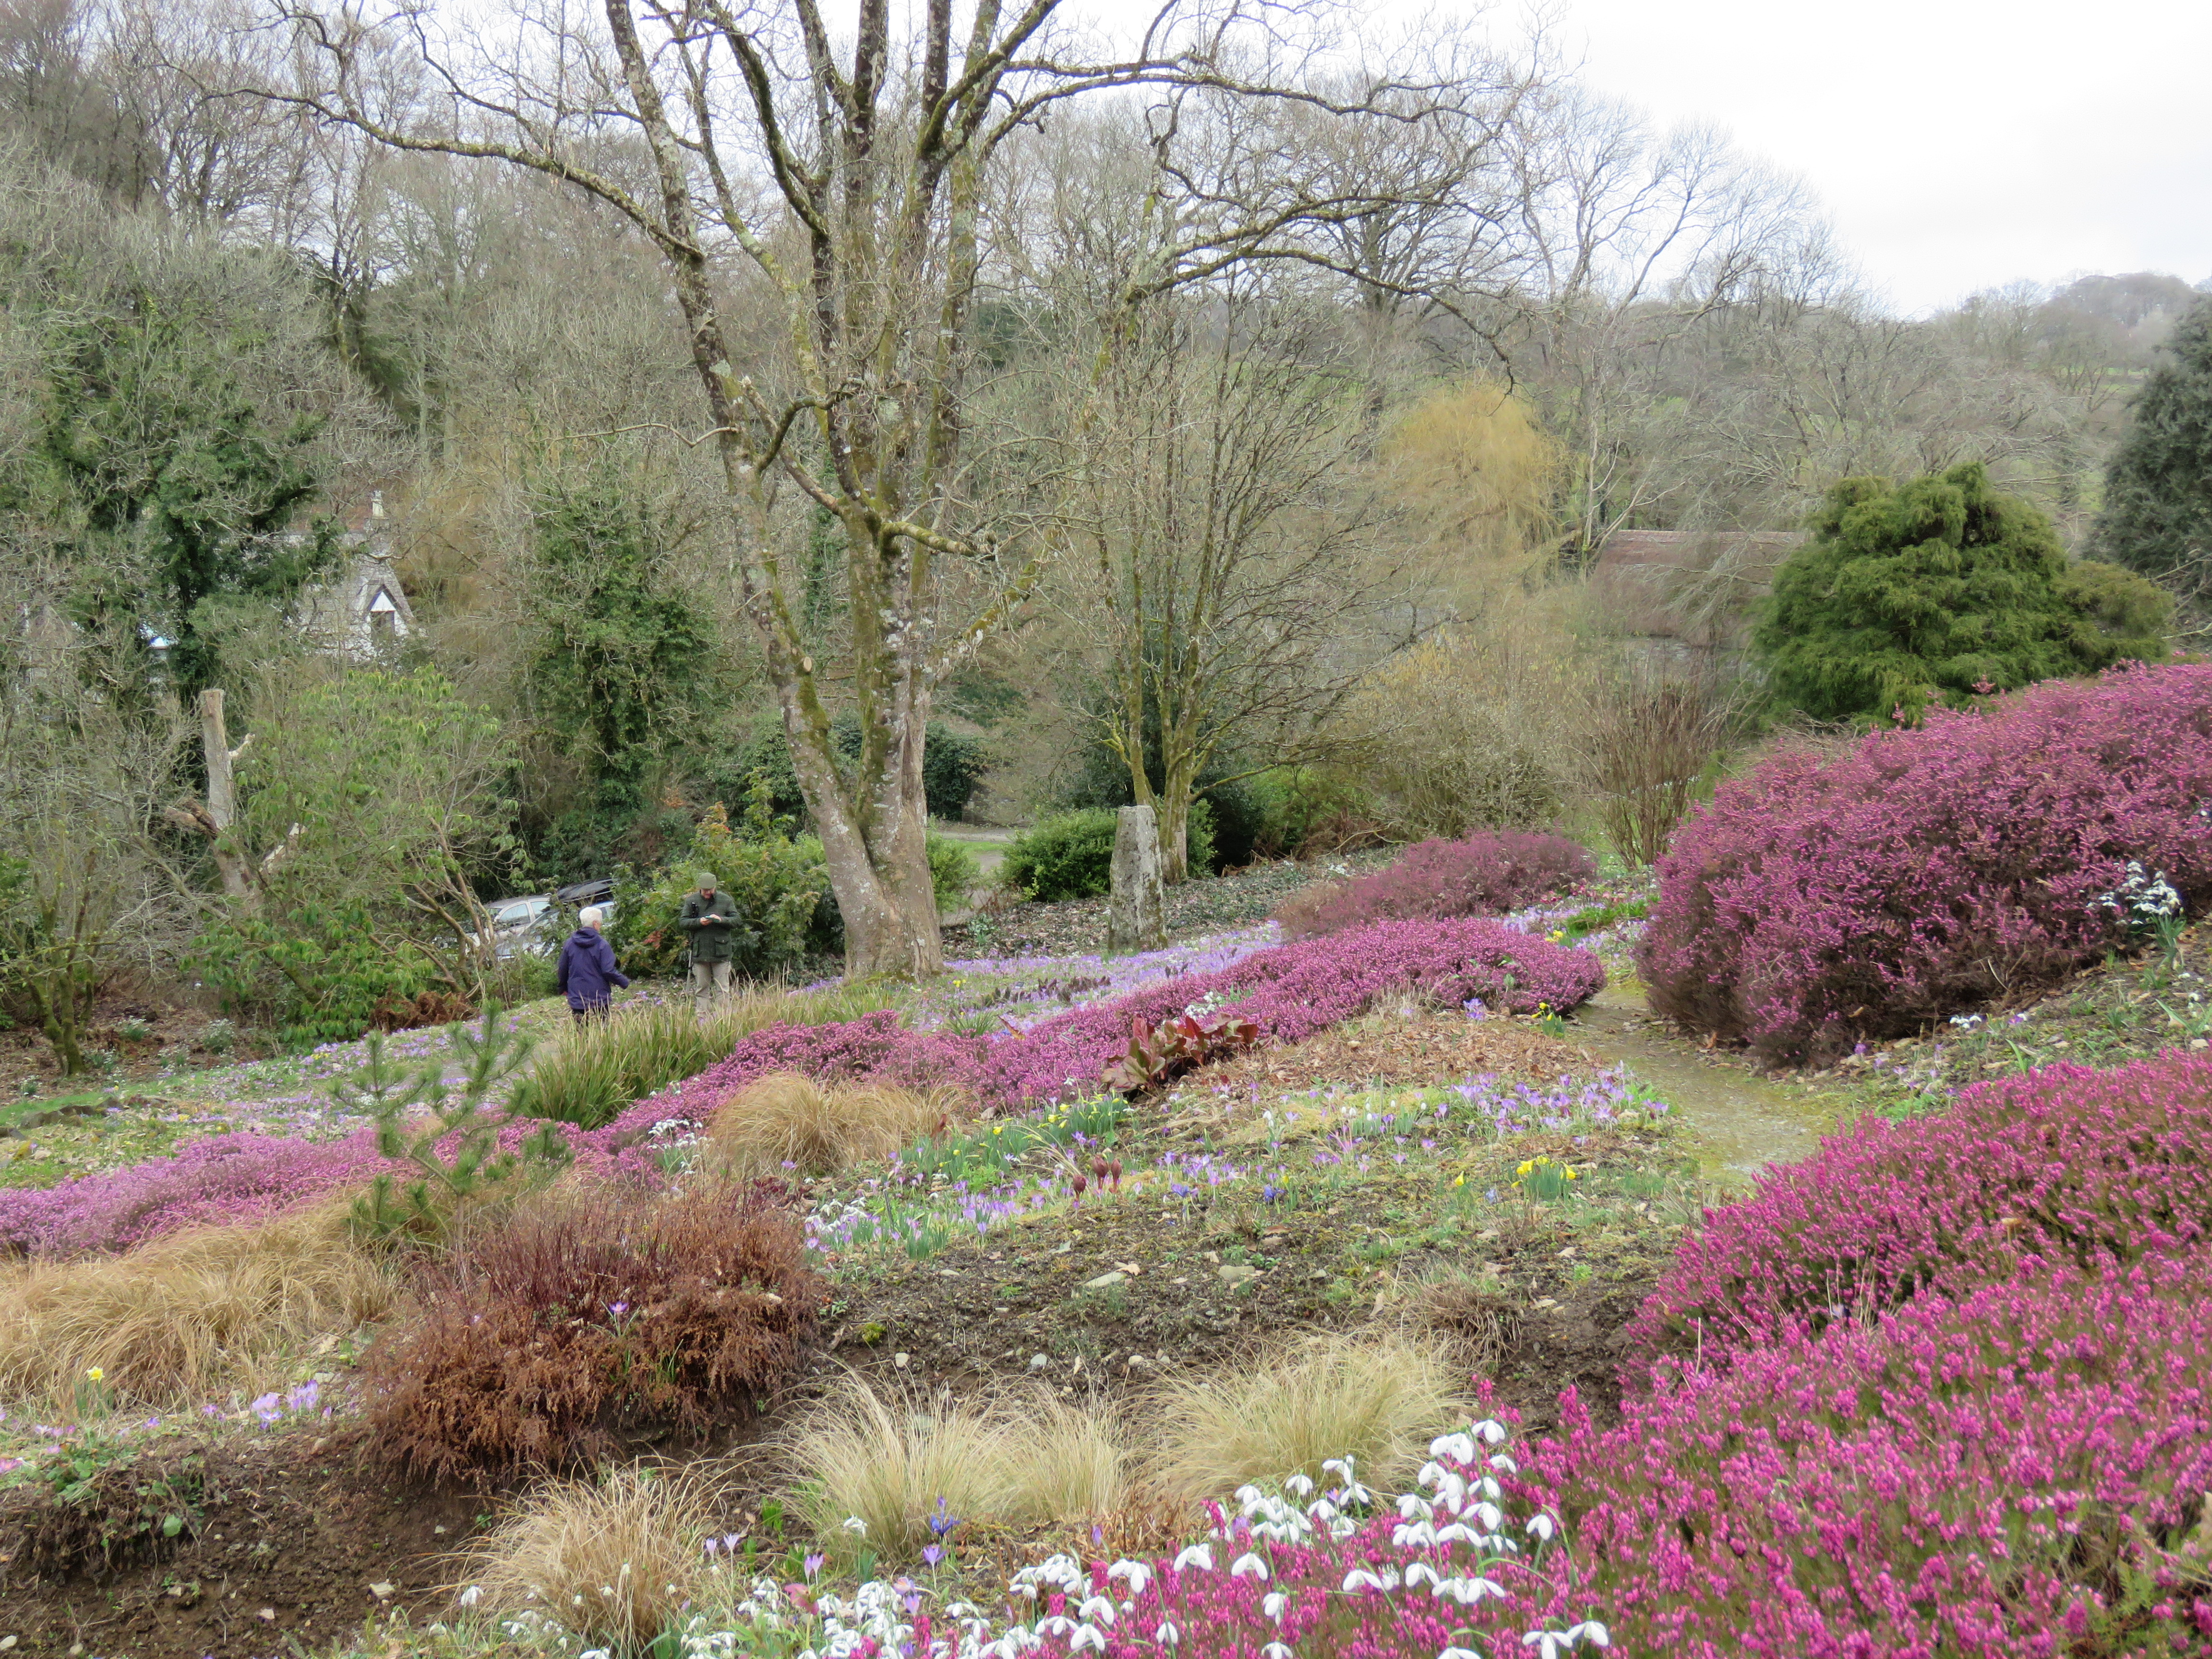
(1738, 1121)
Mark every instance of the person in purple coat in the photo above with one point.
(587, 971)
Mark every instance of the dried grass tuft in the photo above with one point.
(614, 1560)
(1031, 1459)
(818, 1129)
(1378, 1399)
(190, 1314)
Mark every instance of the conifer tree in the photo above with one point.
(1933, 590)
(2158, 490)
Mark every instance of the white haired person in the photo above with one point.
(709, 922)
(587, 971)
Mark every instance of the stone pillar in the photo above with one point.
(1136, 918)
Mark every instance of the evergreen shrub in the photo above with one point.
(1067, 855)
(1819, 900)
(1070, 855)
(1487, 874)
(2157, 488)
(1926, 593)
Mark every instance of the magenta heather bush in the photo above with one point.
(243, 1177)
(2020, 1471)
(1999, 1474)
(1290, 991)
(1819, 900)
(1485, 875)
(237, 1177)
(875, 1046)
(2064, 1163)
(1294, 990)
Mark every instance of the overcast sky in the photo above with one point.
(1956, 145)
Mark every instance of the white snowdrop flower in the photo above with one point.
(1137, 1572)
(856, 1526)
(1299, 1485)
(1273, 1605)
(1591, 1631)
(1250, 1499)
(1493, 1433)
(1546, 1644)
(1276, 1650)
(471, 1596)
(1248, 1566)
(1360, 1579)
(1418, 1571)
(1413, 1535)
(1086, 1636)
(1468, 1591)
(1541, 1526)
(1490, 1516)
(1459, 1653)
(1198, 1555)
(1460, 1447)
(1167, 1635)
(1413, 1504)
(1096, 1609)
(1504, 1463)
(1339, 1465)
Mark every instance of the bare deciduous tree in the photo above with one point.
(1228, 580)
(819, 207)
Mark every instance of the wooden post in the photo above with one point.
(1136, 916)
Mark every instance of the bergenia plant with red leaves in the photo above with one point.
(1160, 1053)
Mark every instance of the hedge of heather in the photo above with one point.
(1817, 901)
(1992, 1475)
(1290, 991)
(248, 1177)
(2064, 1163)
(2018, 1471)
(1295, 990)
(1483, 875)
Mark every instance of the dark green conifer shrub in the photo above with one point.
(2158, 490)
(1932, 591)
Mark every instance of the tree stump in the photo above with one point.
(1136, 915)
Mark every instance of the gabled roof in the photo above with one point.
(1694, 586)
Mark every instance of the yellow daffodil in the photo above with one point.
(95, 1374)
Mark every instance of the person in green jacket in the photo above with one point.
(710, 923)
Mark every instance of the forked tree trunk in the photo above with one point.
(879, 870)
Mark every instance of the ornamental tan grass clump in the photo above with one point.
(594, 1071)
(614, 1560)
(911, 1468)
(1375, 1399)
(785, 1121)
(190, 1314)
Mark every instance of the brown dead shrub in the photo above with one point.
(589, 1317)
(395, 1012)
